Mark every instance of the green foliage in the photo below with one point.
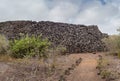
(4, 44)
(29, 46)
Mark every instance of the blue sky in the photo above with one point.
(103, 2)
(104, 13)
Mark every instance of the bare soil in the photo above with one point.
(85, 71)
(113, 66)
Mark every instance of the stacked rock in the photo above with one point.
(76, 38)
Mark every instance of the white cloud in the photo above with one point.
(23, 9)
(103, 16)
(106, 16)
(63, 12)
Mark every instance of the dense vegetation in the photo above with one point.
(25, 46)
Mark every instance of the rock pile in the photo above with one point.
(76, 38)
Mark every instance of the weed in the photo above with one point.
(105, 74)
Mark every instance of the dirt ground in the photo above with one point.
(112, 65)
(85, 71)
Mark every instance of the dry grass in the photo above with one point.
(111, 43)
(108, 68)
(4, 44)
(6, 58)
(27, 69)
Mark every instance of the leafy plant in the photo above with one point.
(29, 46)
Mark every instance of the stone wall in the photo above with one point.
(76, 38)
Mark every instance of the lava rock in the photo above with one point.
(76, 38)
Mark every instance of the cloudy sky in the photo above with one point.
(104, 13)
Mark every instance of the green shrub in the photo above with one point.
(29, 46)
(4, 44)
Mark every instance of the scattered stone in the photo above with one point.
(67, 72)
(62, 78)
(94, 52)
(98, 73)
(73, 66)
(78, 61)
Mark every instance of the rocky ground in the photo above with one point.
(36, 70)
(111, 67)
(74, 67)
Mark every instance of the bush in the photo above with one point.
(4, 44)
(112, 43)
(105, 74)
(29, 46)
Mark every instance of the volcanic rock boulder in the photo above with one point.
(76, 38)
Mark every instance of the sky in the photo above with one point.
(103, 13)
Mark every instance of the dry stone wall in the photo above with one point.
(76, 38)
